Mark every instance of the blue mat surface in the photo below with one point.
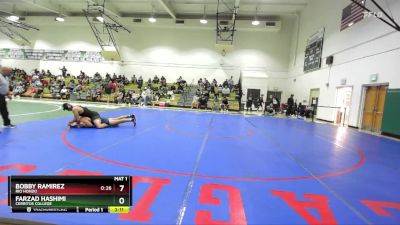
(204, 168)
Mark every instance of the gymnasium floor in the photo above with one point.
(197, 168)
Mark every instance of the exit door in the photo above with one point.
(373, 108)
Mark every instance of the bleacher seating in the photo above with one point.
(180, 99)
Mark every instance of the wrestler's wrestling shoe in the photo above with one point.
(133, 117)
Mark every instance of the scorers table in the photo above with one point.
(74, 194)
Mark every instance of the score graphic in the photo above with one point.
(87, 194)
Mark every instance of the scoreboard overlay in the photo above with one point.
(78, 194)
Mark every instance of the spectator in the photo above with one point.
(269, 108)
(181, 87)
(37, 83)
(135, 99)
(71, 85)
(225, 84)
(207, 84)
(198, 92)
(78, 88)
(249, 103)
(260, 102)
(195, 102)
(163, 82)
(171, 95)
(112, 86)
(18, 89)
(216, 90)
(45, 83)
(225, 91)
(63, 71)
(290, 104)
(89, 94)
(35, 77)
(206, 95)
(64, 93)
(140, 82)
(48, 73)
(200, 83)
(118, 97)
(225, 104)
(220, 88)
(230, 83)
(125, 80)
(144, 97)
(59, 78)
(203, 102)
(133, 79)
(179, 80)
(156, 80)
(276, 104)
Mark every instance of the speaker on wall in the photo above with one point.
(329, 60)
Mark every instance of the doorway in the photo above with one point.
(314, 95)
(374, 103)
(343, 102)
(270, 94)
(254, 93)
(313, 101)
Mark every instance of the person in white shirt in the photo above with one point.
(64, 92)
(275, 103)
(4, 89)
(225, 91)
(195, 102)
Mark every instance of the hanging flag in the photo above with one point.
(352, 14)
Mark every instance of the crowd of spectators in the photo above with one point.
(94, 88)
(207, 89)
(115, 88)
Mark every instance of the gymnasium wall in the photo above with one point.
(167, 50)
(368, 47)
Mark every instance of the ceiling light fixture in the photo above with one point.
(255, 21)
(100, 19)
(13, 18)
(204, 19)
(59, 19)
(152, 18)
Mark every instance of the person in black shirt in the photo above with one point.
(156, 80)
(290, 105)
(140, 82)
(83, 115)
(225, 104)
(260, 102)
(249, 103)
(4, 89)
(202, 102)
(63, 71)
